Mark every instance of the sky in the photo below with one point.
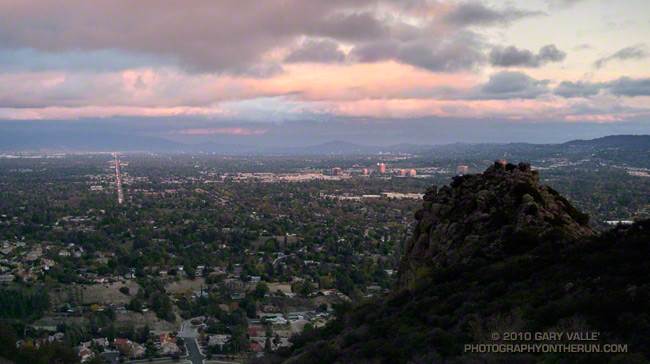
(278, 72)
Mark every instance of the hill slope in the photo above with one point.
(614, 141)
(495, 252)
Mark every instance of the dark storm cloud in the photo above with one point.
(322, 51)
(475, 13)
(513, 57)
(510, 85)
(633, 52)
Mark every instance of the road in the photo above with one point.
(120, 193)
(279, 258)
(189, 333)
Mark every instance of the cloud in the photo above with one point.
(570, 89)
(632, 52)
(248, 37)
(203, 36)
(563, 3)
(510, 85)
(513, 57)
(475, 13)
(321, 51)
(622, 86)
(27, 59)
(582, 47)
(625, 86)
(460, 51)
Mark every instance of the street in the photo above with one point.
(189, 333)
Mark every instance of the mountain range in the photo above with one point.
(92, 141)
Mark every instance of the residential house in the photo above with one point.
(85, 354)
(257, 349)
(168, 344)
(218, 340)
(138, 351)
(123, 345)
(7, 278)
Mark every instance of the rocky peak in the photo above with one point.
(499, 213)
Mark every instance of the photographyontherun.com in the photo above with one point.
(546, 342)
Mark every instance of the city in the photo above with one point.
(324, 182)
(143, 254)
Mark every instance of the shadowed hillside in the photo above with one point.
(495, 252)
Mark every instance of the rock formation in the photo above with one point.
(501, 212)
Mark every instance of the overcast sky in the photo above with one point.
(300, 71)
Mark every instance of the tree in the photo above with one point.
(261, 289)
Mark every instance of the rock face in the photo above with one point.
(499, 213)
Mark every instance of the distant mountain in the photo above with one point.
(15, 140)
(88, 141)
(491, 254)
(91, 141)
(628, 141)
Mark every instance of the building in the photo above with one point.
(169, 348)
(412, 173)
(138, 351)
(502, 161)
(257, 349)
(381, 168)
(621, 222)
(336, 171)
(85, 355)
(365, 171)
(64, 253)
(218, 340)
(168, 344)
(5, 278)
(123, 345)
(402, 172)
(462, 170)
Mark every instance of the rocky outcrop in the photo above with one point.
(500, 212)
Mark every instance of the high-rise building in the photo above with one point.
(402, 172)
(336, 171)
(381, 168)
(365, 171)
(462, 169)
(412, 173)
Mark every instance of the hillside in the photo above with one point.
(615, 141)
(495, 252)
